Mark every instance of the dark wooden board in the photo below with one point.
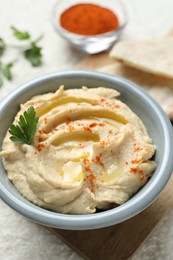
(119, 242)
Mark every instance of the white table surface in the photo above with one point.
(21, 239)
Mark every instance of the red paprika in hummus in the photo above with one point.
(89, 19)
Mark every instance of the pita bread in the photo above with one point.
(153, 56)
(160, 88)
(170, 32)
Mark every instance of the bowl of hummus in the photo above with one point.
(82, 150)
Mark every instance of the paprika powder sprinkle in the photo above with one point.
(89, 19)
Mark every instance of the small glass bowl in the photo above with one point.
(90, 43)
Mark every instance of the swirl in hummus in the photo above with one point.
(90, 152)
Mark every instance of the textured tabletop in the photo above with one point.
(21, 239)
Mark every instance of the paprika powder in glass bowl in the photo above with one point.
(91, 26)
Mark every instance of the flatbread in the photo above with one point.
(160, 88)
(153, 56)
(170, 32)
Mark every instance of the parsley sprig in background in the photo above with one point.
(31, 52)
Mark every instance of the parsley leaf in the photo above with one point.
(33, 55)
(20, 35)
(1, 82)
(24, 131)
(2, 46)
(7, 70)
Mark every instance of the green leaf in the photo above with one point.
(19, 34)
(33, 55)
(24, 131)
(1, 82)
(7, 70)
(2, 46)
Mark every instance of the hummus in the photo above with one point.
(90, 152)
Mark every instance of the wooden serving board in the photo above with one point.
(118, 242)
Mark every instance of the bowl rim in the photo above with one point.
(109, 217)
(64, 32)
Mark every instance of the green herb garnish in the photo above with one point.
(1, 82)
(30, 51)
(24, 131)
(2, 46)
(7, 70)
(33, 54)
(20, 35)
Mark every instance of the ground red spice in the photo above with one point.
(91, 178)
(87, 128)
(142, 176)
(87, 168)
(111, 105)
(117, 106)
(137, 148)
(42, 132)
(102, 99)
(104, 142)
(40, 139)
(39, 135)
(97, 160)
(40, 147)
(79, 124)
(45, 120)
(70, 128)
(85, 160)
(101, 124)
(138, 171)
(137, 161)
(133, 170)
(89, 19)
(93, 124)
(68, 120)
(83, 145)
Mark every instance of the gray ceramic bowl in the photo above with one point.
(147, 109)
